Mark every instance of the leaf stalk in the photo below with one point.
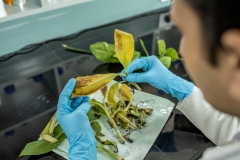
(76, 49)
(114, 155)
(124, 119)
(113, 124)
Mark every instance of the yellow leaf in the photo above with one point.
(124, 47)
(91, 84)
(49, 127)
(111, 95)
(125, 93)
(52, 124)
(49, 138)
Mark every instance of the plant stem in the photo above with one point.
(124, 104)
(114, 155)
(124, 119)
(136, 86)
(104, 102)
(115, 127)
(111, 121)
(127, 108)
(115, 112)
(134, 113)
(76, 49)
(98, 138)
(143, 46)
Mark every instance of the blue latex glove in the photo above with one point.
(157, 75)
(71, 115)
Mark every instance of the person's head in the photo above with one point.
(210, 46)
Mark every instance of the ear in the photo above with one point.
(231, 41)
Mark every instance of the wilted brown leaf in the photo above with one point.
(91, 84)
(128, 139)
(104, 91)
(124, 47)
(148, 110)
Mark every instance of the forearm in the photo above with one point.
(80, 149)
(217, 126)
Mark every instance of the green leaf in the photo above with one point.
(134, 108)
(126, 120)
(123, 124)
(92, 115)
(122, 112)
(142, 118)
(97, 107)
(41, 146)
(96, 127)
(166, 61)
(98, 110)
(105, 52)
(143, 46)
(161, 47)
(134, 111)
(171, 52)
(136, 55)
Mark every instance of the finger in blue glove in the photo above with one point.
(157, 75)
(72, 117)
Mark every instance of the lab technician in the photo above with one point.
(210, 46)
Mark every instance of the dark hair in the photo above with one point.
(217, 16)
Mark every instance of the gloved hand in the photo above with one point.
(157, 75)
(71, 115)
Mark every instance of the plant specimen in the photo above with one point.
(116, 105)
(107, 53)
